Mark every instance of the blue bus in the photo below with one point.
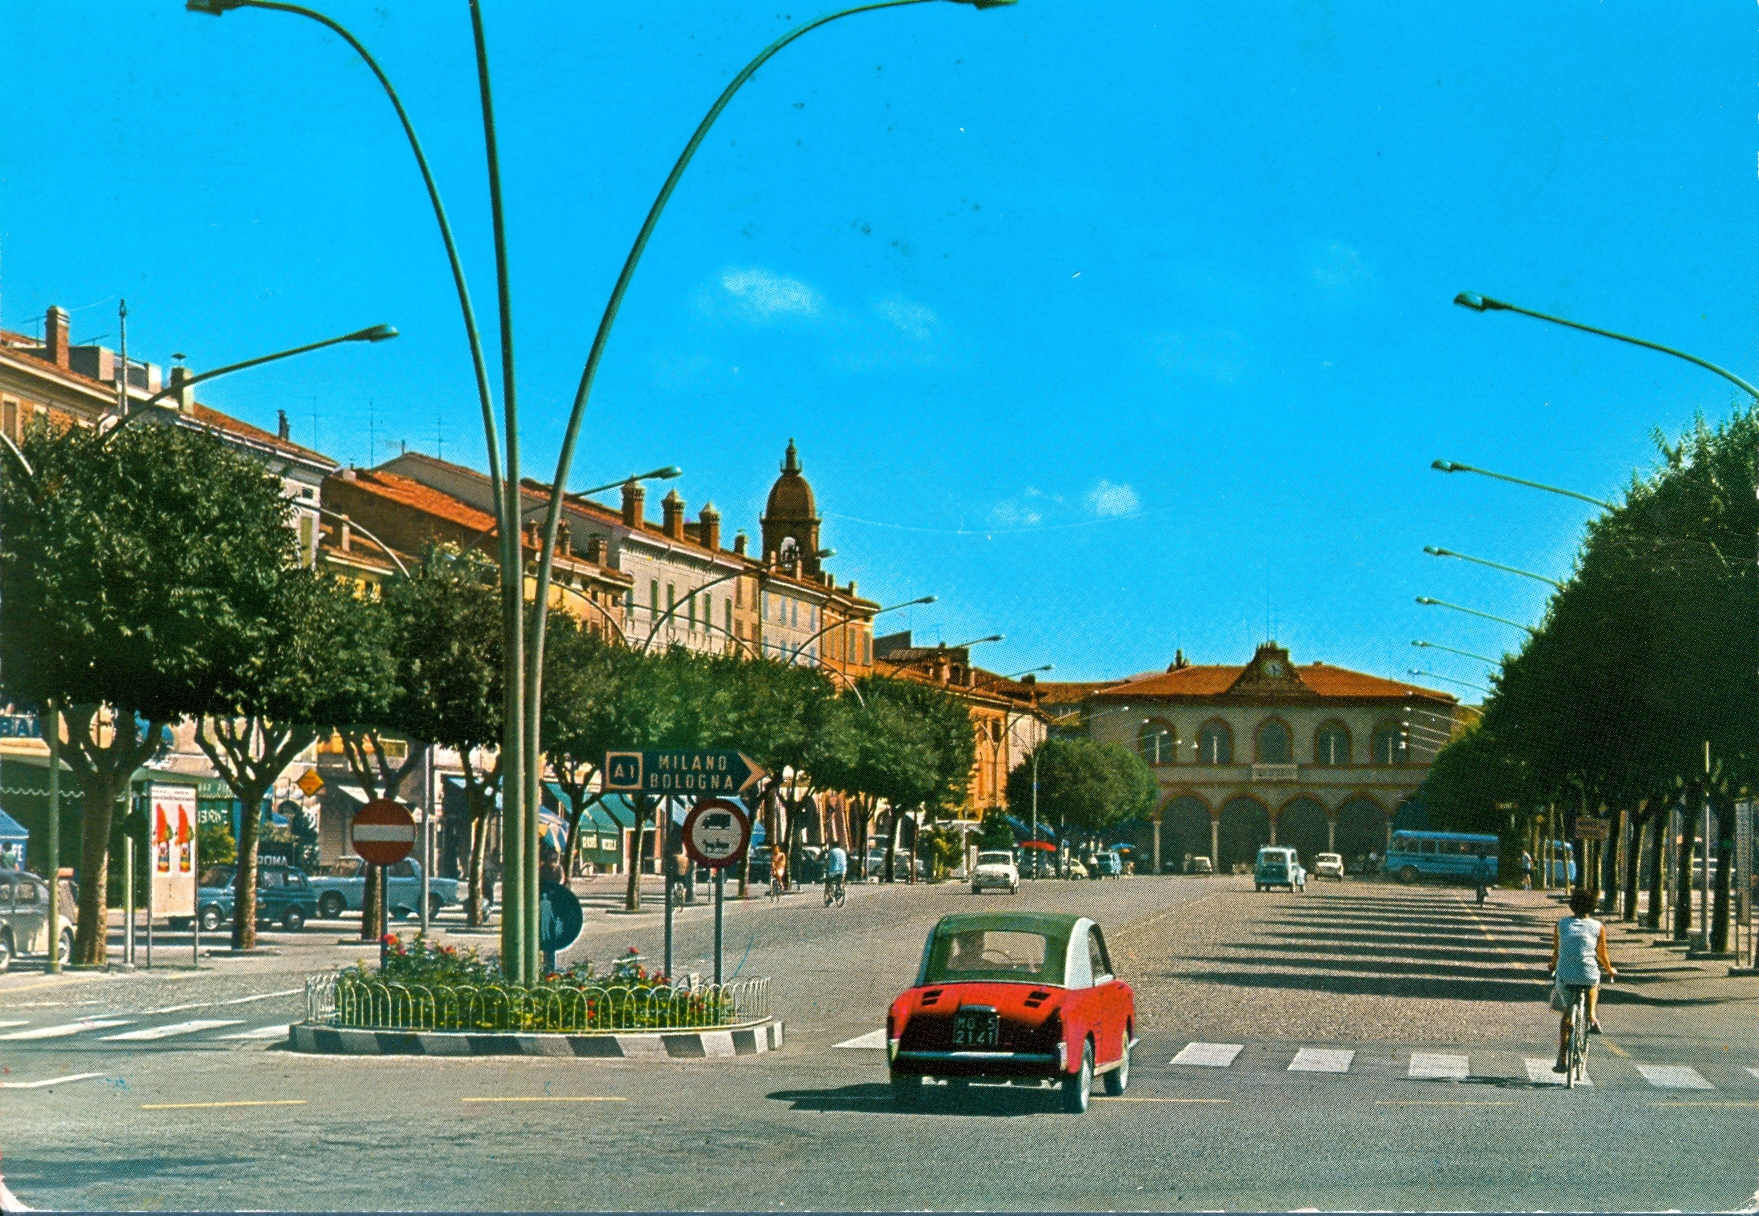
(1461, 856)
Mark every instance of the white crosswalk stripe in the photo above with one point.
(1209, 1055)
(1427, 1066)
(171, 1031)
(261, 1032)
(64, 1030)
(1673, 1076)
(873, 1038)
(1539, 1072)
(21, 1022)
(1754, 1071)
(1321, 1059)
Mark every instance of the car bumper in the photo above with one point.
(978, 1063)
(993, 880)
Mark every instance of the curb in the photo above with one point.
(749, 1040)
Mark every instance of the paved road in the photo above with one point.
(1450, 1115)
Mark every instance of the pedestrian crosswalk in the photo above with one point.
(1440, 1066)
(141, 1031)
(171, 1031)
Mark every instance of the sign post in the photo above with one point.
(384, 833)
(716, 834)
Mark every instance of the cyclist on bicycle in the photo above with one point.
(1578, 959)
(836, 868)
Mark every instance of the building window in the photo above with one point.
(629, 603)
(305, 534)
(739, 592)
(729, 606)
(653, 597)
(1274, 744)
(1389, 745)
(1156, 743)
(1215, 743)
(1331, 744)
(867, 649)
(690, 610)
(671, 598)
(796, 621)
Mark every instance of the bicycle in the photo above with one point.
(775, 891)
(834, 891)
(1576, 1060)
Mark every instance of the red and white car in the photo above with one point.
(1014, 996)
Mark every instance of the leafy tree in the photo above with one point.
(997, 833)
(1084, 784)
(914, 750)
(137, 571)
(445, 629)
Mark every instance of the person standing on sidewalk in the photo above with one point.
(1526, 870)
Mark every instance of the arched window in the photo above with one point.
(1275, 746)
(1215, 743)
(1156, 743)
(1388, 746)
(1331, 744)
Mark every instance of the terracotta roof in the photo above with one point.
(1214, 680)
(411, 493)
(1066, 692)
(236, 426)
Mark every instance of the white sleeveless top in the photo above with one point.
(1577, 942)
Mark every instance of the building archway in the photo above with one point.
(1301, 825)
(1244, 828)
(1184, 831)
(1362, 825)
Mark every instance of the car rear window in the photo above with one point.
(993, 954)
(995, 859)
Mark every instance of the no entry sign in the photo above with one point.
(716, 832)
(384, 832)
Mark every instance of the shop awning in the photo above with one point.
(12, 831)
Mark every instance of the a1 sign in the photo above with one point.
(384, 832)
(1592, 829)
(716, 833)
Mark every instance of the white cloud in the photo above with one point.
(762, 295)
(1108, 499)
(917, 320)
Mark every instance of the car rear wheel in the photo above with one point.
(435, 903)
(906, 1089)
(1078, 1089)
(1409, 876)
(5, 951)
(294, 920)
(66, 946)
(210, 918)
(1118, 1079)
(331, 906)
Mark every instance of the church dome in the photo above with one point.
(790, 498)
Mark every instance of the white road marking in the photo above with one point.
(1539, 1072)
(261, 1032)
(1209, 1055)
(171, 1031)
(18, 1022)
(64, 1030)
(239, 1000)
(78, 1076)
(873, 1038)
(1429, 1067)
(1673, 1076)
(1320, 1059)
(1754, 1071)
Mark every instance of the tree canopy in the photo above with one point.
(1083, 784)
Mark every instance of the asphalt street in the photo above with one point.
(1249, 1089)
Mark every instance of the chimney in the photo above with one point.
(595, 550)
(851, 587)
(564, 538)
(185, 395)
(711, 527)
(673, 505)
(282, 430)
(347, 534)
(633, 499)
(55, 340)
(739, 543)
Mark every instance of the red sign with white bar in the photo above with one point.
(384, 832)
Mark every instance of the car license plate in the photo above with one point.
(976, 1028)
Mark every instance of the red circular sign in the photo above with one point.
(716, 832)
(384, 832)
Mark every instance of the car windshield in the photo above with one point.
(995, 859)
(217, 876)
(993, 954)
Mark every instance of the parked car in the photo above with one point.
(1013, 996)
(24, 916)
(997, 869)
(1073, 867)
(1278, 867)
(876, 865)
(284, 894)
(342, 889)
(1328, 865)
(1107, 863)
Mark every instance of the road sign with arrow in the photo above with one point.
(690, 773)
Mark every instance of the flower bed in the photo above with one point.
(426, 987)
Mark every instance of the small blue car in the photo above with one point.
(1278, 867)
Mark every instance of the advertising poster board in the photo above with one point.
(172, 823)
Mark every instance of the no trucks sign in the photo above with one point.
(716, 833)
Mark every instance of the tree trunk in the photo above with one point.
(1609, 861)
(632, 890)
(891, 843)
(98, 793)
(1682, 910)
(1658, 815)
(1725, 849)
(1633, 856)
(244, 873)
(479, 853)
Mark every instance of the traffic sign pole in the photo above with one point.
(720, 901)
(384, 917)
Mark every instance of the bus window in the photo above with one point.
(1426, 846)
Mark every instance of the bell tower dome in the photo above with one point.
(790, 519)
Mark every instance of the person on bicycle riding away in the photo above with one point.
(836, 865)
(1578, 959)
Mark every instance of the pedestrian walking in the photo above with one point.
(1526, 870)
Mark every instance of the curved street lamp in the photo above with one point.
(1467, 653)
(1454, 466)
(925, 599)
(994, 637)
(1501, 620)
(1448, 679)
(1433, 551)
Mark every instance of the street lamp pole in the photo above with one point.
(926, 599)
(1465, 653)
(1501, 620)
(1454, 466)
(1434, 551)
(1449, 679)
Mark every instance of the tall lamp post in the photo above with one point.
(524, 664)
(1427, 602)
(1435, 551)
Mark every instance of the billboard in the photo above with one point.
(172, 823)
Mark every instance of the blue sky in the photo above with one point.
(1119, 328)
